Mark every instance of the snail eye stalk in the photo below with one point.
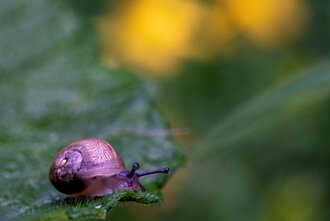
(164, 170)
(135, 167)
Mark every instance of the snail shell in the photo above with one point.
(92, 167)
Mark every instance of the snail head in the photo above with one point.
(132, 177)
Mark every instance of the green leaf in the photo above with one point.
(308, 88)
(53, 92)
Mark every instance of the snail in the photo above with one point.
(92, 168)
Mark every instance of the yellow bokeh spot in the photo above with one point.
(269, 22)
(156, 36)
(151, 35)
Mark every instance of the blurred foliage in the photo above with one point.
(255, 96)
(53, 92)
(270, 108)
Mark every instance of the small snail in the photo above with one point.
(91, 167)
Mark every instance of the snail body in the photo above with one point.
(91, 168)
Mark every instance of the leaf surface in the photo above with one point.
(53, 91)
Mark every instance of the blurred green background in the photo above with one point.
(245, 87)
